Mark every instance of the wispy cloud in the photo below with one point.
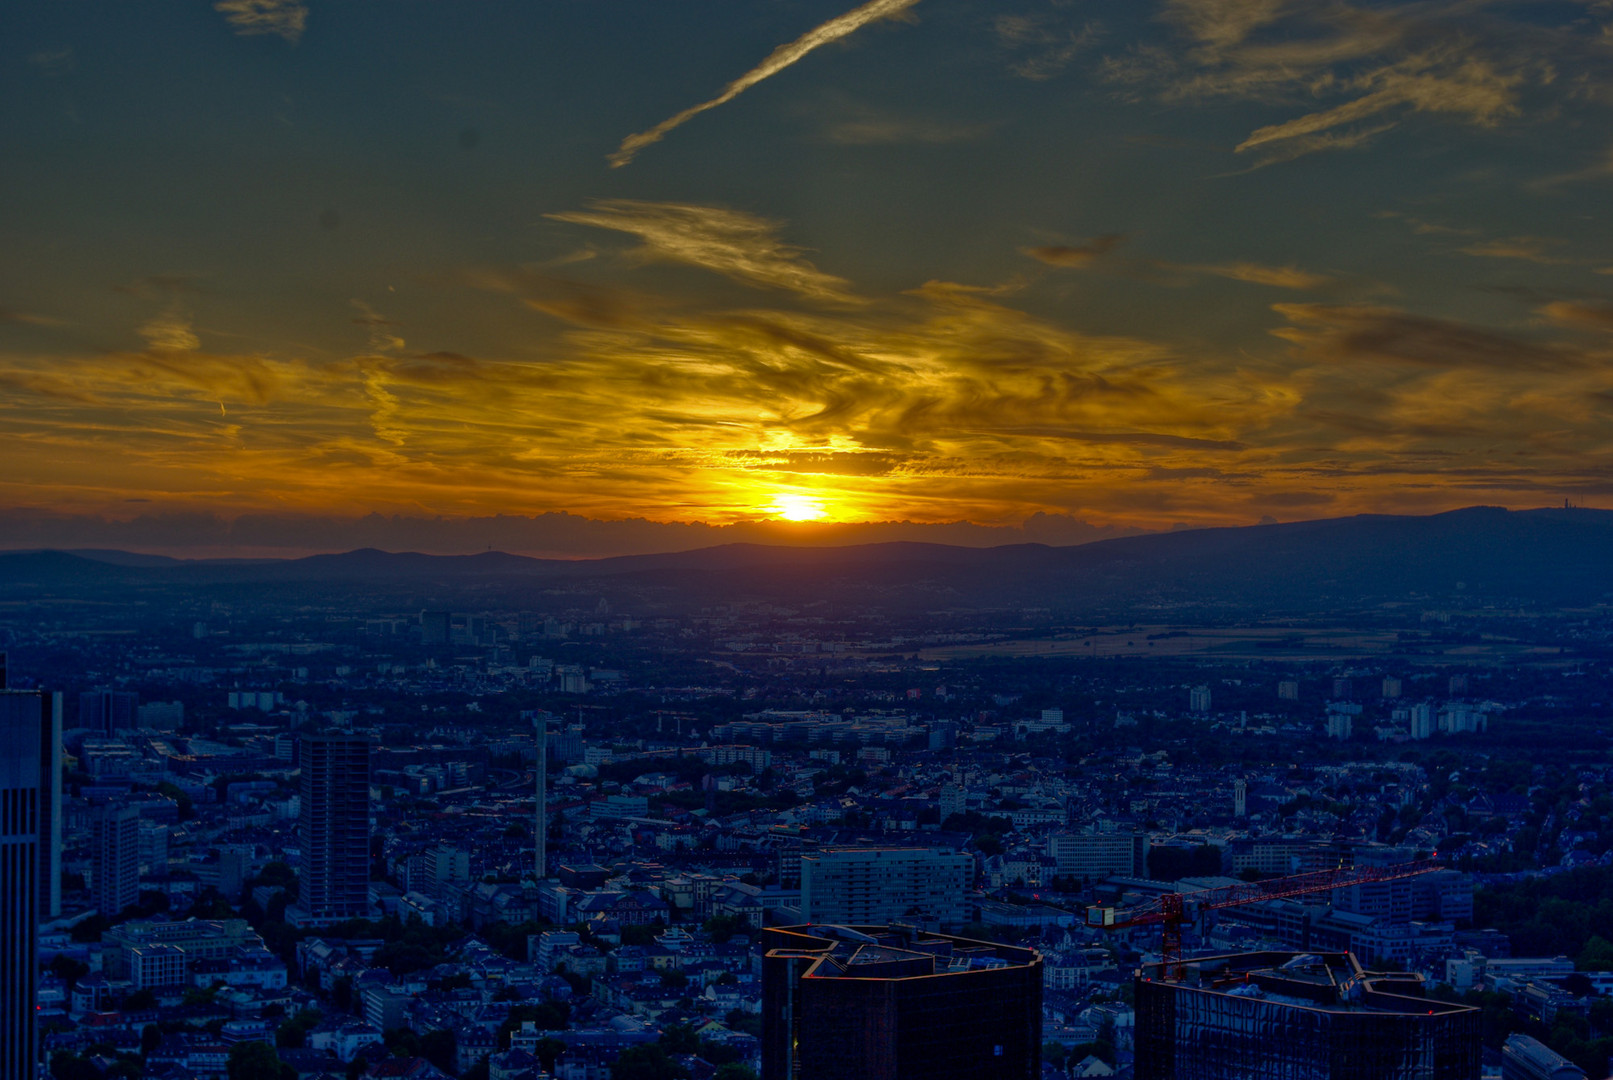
(1281, 277)
(779, 59)
(1535, 249)
(171, 332)
(1067, 255)
(733, 243)
(1376, 65)
(1041, 45)
(287, 18)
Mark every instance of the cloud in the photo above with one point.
(171, 332)
(27, 318)
(1370, 66)
(1535, 249)
(730, 242)
(1281, 277)
(287, 18)
(873, 129)
(1342, 334)
(1044, 49)
(1469, 87)
(382, 337)
(1066, 255)
(779, 59)
(1581, 315)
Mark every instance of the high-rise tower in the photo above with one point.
(115, 859)
(335, 830)
(540, 810)
(50, 805)
(20, 730)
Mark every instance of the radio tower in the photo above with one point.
(540, 830)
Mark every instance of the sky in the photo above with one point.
(589, 276)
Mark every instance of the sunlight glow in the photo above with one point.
(794, 507)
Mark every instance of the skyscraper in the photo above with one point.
(20, 729)
(115, 859)
(540, 808)
(896, 1003)
(1298, 1016)
(50, 805)
(335, 830)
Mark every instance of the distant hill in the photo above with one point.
(1558, 557)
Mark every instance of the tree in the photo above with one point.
(648, 1062)
(548, 1050)
(1597, 955)
(256, 1061)
(293, 1033)
(67, 969)
(735, 1070)
(140, 999)
(438, 1047)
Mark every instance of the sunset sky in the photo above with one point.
(1125, 265)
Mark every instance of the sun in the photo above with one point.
(793, 507)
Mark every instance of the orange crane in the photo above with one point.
(1172, 911)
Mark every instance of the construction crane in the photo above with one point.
(1172, 911)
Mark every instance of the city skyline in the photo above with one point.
(1186, 263)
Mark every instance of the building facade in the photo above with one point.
(334, 829)
(1090, 856)
(1526, 1058)
(20, 728)
(896, 1003)
(115, 859)
(881, 885)
(1298, 1016)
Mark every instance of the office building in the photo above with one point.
(1420, 721)
(1198, 699)
(953, 799)
(1340, 725)
(108, 711)
(435, 627)
(1527, 1058)
(1288, 690)
(1391, 687)
(20, 756)
(896, 1003)
(1298, 1016)
(1090, 856)
(115, 859)
(1240, 798)
(881, 885)
(334, 878)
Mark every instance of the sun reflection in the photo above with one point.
(794, 507)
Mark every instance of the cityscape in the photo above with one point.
(806, 540)
(274, 818)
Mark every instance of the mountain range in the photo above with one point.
(1556, 557)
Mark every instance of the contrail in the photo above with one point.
(780, 58)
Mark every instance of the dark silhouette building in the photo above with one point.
(1298, 1016)
(334, 879)
(107, 711)
(897, 1003)
(20, 822)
